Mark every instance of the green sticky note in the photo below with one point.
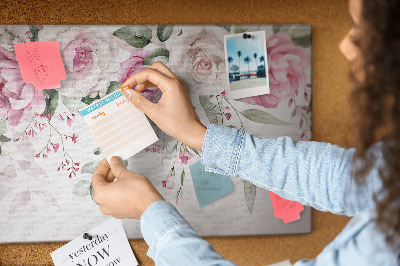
(209, 186)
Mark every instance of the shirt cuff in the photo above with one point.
(158, 219)
(222, 147)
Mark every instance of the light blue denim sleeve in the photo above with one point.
(172, 241)
(313, 173)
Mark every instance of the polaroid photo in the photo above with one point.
(246, 64)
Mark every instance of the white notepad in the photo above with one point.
(118, 126)
(108, 246)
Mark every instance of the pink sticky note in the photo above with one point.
(284, 209)
(41, 64)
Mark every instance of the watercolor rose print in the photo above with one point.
(97, 61)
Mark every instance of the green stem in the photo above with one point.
(237, 113)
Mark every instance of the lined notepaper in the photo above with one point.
(118, 126)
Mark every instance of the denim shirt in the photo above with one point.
(312, 173)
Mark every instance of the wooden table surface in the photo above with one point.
(330, 22)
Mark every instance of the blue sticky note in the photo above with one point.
(209, 186)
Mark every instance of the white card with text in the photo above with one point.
(118, 126)
(109, 246)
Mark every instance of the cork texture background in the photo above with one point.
(331, 88)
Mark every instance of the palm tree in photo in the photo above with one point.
(247, 60)
(230, 60)
(261, 69)
(255, 57)
(239, 54)
(262, 59)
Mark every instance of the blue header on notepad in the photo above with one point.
(101, 103)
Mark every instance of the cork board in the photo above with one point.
(330, 23)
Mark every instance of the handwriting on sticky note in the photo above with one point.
(284, 209)
(209, 186)
(118, 126)
(108, 246)
(41, 64)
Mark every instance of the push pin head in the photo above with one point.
(246, 36)
(87, 236)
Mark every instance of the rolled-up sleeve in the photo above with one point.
(313, 173)
(172, 241)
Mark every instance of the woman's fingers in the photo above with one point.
(160, 67)
(143, 86)
(157, 74)
(149, 75)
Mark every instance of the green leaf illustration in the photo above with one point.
(239, 29)
(208, 107)
(263, 117)
(250, 194)
(136, 36)
(309, 106)
(3, 126)
(180, 33)
(280, 28)
(175, 147)
(114, 86)
(90, 167)
(164, 32)
(304, 41)
(97, 151)
(92, 193)
(4, 138)
(182, 177)
(224, 26)
(301, 36)
(74, 104)
(35, 33)
(87, 100)
(1, 174)
(82, 188)
(51, 101)
(159, 54)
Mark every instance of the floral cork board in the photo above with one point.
(48, 155)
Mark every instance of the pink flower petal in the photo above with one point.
(38, 102)
(24, 99)
(55, 147)
(134, 62)
(15, 117)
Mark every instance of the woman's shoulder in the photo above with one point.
(361, 239)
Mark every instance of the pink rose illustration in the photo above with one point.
(134, 65)
(16, 97)
(168, 182)
(286, 64)
(88, 56)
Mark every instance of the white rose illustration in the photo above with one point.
(89, 59)
(197, 56)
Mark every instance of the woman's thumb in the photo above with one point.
(138, 100)
(117, 168)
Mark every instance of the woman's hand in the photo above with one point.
(174, 113)
(127, 197)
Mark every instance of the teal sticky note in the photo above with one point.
(209, 186)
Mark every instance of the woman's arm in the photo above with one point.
(170, 238)
(313, 173)
(172, 241)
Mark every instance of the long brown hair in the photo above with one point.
(375, 103)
